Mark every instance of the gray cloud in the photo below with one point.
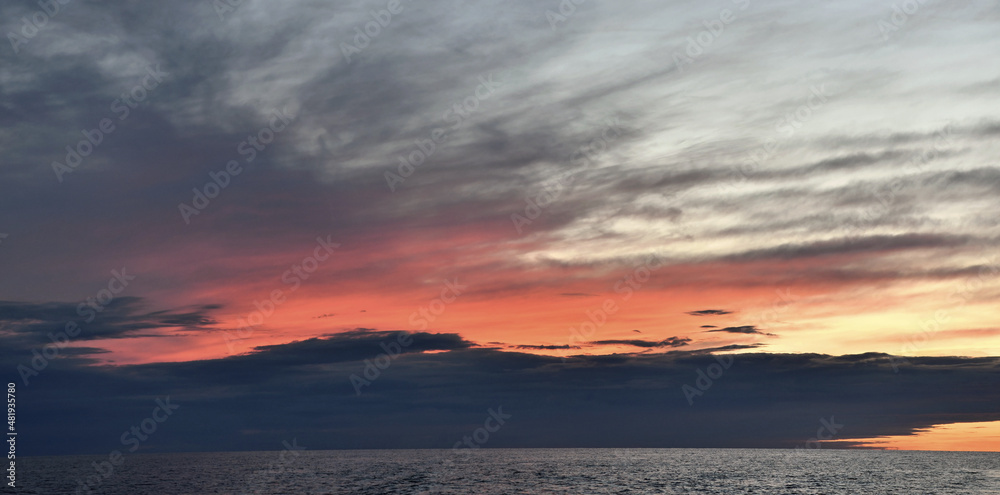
(746, 329)
(123, 317)
(546, 347)
(668, 342)
(223, 398)
(685, 179)
(709, 312)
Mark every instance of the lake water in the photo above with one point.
(522, 471)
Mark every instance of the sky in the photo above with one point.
(367, 223)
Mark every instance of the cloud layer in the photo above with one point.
(429, 400)
(493, 179)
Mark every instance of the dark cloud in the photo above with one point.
(668, 342)
(731, 347)
(546, 347)
(354, 345)
(123, 317)
(681, 155)
(428, 399)
(709, 326)
(871, 243)
(746, 329)
(709, 312)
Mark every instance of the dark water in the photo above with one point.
(524, 471)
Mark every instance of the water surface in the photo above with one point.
(525, 471)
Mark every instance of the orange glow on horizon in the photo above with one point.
(967, 437)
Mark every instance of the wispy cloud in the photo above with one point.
(746, 329)
(668, 342)
(709, 312)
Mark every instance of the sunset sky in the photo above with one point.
(571, 208)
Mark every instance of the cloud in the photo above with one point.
(352, 345)
(865, 193)
(122, 318)
(872, 243)
(546, 347)
(668, 342)
(746, 329)
(709, 312)
(223, 400)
